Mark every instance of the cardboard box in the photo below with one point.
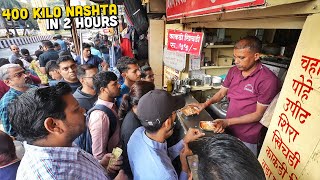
(225, 61)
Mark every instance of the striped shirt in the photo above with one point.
(59, 163)
(4, 116)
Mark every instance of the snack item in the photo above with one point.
(117, 153)
(189, 110)
(207, 126)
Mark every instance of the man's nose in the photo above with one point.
(236, 60)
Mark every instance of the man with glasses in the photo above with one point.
(85, 94)
(14, 76)
(15, 53)
(68, 71)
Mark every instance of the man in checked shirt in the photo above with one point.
(49, 119)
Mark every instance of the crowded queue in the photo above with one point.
(71, 113)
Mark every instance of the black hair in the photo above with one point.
(38, 53)
(251, 42)
(137, 90)
(64, 53)
(123, 62)
(102, 79)
(155, 128)
(51, 66)
(64, 59)
(85, 45)
(47, 44)
(18, 61)
(144, 69)
(223, 156)
(58, 36)
(4, 61)
(25, 52)
(7, 149)
(56, 44)
(43, 103)
(81, 69)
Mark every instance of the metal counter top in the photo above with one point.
(193, 121)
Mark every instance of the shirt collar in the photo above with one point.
(153, 144)
(15, 91)
(106, 103)
(62, 153)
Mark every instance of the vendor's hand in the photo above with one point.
(220, 125)
(186, 151)
(111, 168)
(199, 106)
(192, 135)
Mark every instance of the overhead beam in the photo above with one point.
(263, 23)
(302, 8)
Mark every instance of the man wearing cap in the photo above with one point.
(148, 154)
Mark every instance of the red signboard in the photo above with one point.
(184, 41)
(177, 9)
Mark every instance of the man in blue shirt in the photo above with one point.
(130, 72)
(149, 156)
(88, 58)
(14, 76)
(63, 44)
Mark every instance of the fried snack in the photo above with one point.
(189, 110)
(207, 126)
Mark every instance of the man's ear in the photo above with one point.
(256, 56)
(167, 124)
(81, 80)
(124, 74)
(7, 82)
(52, 125)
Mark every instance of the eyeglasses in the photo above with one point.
(19, 74)
(87, 77)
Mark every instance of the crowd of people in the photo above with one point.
(70, 112)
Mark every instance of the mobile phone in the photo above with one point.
(193, 163)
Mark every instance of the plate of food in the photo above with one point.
(207, 126)
(189, 110)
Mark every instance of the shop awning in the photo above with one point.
(118, 2)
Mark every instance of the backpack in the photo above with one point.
(84, 141)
